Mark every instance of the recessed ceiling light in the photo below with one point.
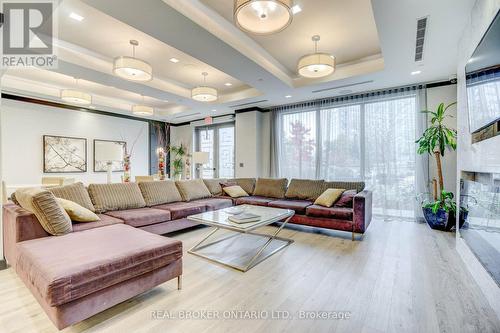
(416, 72)
(214, 110)
(229, 84)
(174, 60)
(296, 9)
(288, 96)
(75, 16)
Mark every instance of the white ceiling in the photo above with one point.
(373, 42)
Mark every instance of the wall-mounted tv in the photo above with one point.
(483, 83)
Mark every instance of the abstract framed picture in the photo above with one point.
(62, 154)
(109, 151)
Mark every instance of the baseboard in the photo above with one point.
(488, 286)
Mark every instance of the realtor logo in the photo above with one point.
(28, 33)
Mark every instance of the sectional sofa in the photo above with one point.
(100, 264)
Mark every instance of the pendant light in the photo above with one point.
(142, 109)
(263, 17)
(132, 68)
(316, 65)
(204, 93)
(75, 96)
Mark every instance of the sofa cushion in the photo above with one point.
(329, 197)
(346, 199)
(299, 206)
(216, 203)
(305, 189)
(179, 210)
(247, 184)
(358, 186)
(331, 212)
(214, 186)
(66, 268)
(193, 189)
(141, 216)
(272, 188)
(254, 200)
(76, 212)
(235, 191)
(47, 210)
(104, 220)
(159, 192)
(118, 196)
(74, 192)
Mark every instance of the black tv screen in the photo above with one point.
(483, 80)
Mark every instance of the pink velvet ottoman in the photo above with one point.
(80, 274)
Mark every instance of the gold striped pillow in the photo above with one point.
(74, 192)
(47, 210)
(192, 189)
(118, 196)
(305, 189)
(159, 192)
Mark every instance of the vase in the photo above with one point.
(126, 168)
(161, 164)
(438, 220)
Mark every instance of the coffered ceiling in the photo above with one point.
(373, 42)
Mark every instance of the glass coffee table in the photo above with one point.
(237, 236)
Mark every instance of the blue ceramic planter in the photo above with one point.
(437, 221)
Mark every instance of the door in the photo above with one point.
(218, 141)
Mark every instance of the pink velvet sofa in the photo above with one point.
(103, 263)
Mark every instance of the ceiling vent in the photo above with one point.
(250, 103)
(187, 115)
(419, 43)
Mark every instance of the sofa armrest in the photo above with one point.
(362, 210)
(18, 225)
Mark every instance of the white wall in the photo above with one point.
(252, 144)
(24, 124)
(446, 95)
(482, 156)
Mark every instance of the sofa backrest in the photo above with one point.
(74, 192)
(159, 192)
(213, 185)
(117, 196)
(358, 186)
(247, 184)
(305, 189)
(192, 189)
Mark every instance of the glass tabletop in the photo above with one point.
(220, 218)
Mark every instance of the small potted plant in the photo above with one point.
(179, 153)
(435, 141)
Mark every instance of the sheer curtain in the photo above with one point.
(369, 137)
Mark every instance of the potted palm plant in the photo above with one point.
(179, 152)
(436, 139)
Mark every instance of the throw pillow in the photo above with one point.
(273, 188)
(328, 198)
(347, 199)
(305, 189)
(247, 184)
(159, 192)
(47, 210)
(235, 191)
(192, 189)
(74, 192)
(117, 196)
(76, 212)
(214, 185)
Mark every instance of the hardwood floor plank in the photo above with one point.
(401, 277)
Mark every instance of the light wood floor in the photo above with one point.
(402, 277)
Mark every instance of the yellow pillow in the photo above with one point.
(235, 191)
(329, 197)
(76, 212)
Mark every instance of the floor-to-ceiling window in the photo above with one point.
(369, 138)
(218, 141)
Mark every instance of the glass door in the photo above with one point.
(218, 141)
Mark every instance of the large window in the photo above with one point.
(369, 139)
(218, 141)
